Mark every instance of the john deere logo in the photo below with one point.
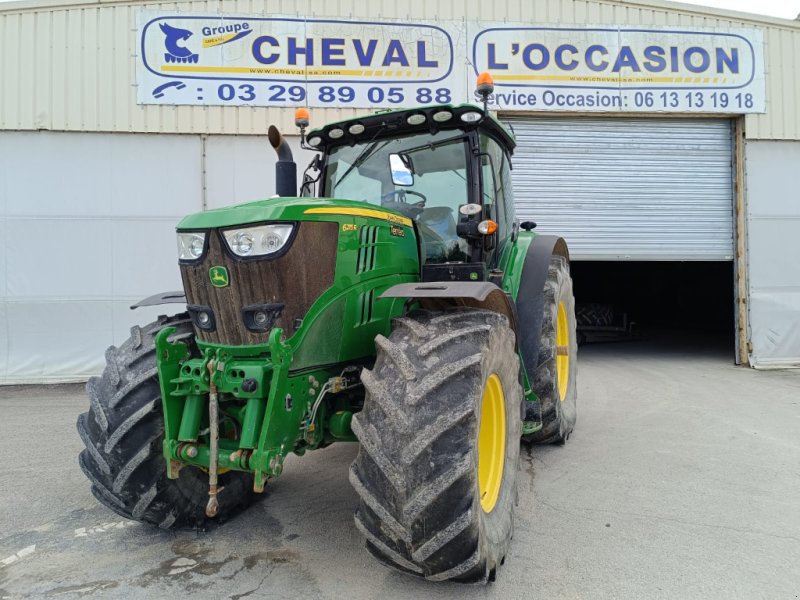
(219, 276)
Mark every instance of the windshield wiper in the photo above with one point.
(368, 151)
(432, 145)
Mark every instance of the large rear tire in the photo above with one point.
(123, 433)
(440, 429)
(555, 380)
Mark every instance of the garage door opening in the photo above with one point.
(672, 303)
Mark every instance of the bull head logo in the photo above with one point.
(177, 53)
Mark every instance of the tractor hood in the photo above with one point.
(335, 259)
(288, 209)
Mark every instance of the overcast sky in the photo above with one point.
(787, 9)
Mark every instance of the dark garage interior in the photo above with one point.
(679, 301)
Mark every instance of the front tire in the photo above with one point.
(123, 433)
(437, 466)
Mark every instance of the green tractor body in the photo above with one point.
(397, 303)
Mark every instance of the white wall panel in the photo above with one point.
(87, 228)
(242, 168)
(99, 175)
(773, 248)
(49, 175)
(3, 293)
(153, 176)
(143, 257)
(54, 340)
(4, 341)
(58, 259)
(3, 260)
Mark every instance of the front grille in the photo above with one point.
(295, 279)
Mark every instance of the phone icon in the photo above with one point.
(159, 91)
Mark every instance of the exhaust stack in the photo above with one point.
(285, 168)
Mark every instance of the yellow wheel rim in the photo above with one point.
(491, 443)
(562, 351)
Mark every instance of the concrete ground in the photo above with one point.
(682, 480)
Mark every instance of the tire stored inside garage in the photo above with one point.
(646, 206)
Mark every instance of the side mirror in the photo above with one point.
(401, 170)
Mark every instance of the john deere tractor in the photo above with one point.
(394, 302)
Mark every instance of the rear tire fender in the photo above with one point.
(530, 297)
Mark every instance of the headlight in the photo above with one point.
(191, 245)
(471, 116)
(258, 241)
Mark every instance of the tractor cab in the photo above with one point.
(447, 168)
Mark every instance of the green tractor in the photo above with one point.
(396, 303)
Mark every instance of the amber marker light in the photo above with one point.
(485, 84)
(487, 227)
(302, 117)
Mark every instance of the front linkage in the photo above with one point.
(264, 413)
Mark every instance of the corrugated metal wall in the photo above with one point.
(73, 68)
(628, 189)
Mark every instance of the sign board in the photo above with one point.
(288, 61)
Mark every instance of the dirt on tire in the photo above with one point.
(558, 414)
(416, 471)
(123, 433)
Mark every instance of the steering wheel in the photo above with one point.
(401, 197)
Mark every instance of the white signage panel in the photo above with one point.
(289, 61)
(286, 61)
(621, 69)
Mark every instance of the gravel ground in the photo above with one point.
(682, 480)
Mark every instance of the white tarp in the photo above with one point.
(773, 249)
(86, 223)
(87, 228)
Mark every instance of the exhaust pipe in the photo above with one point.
(285, 168)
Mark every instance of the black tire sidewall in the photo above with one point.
(566, 409)
(558, 416)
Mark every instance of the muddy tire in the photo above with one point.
(437, 387)
(555, 379)
(123, 433)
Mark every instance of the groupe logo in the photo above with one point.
(222, 29)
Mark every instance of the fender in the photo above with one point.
(437, 295)
(162, 298)
(530, 296)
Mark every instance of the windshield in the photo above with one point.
(423, 176)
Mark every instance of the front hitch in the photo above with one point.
(213, 434)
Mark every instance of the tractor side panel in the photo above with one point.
(372, 256)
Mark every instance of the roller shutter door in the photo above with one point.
(628, 189)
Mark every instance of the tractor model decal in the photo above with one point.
(219, 276)
(177, 53)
